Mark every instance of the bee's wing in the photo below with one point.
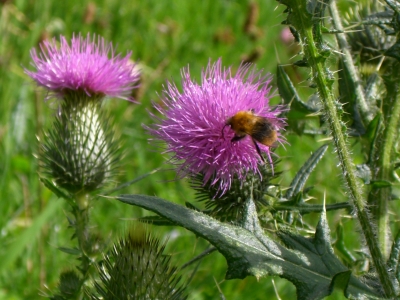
(264, 132)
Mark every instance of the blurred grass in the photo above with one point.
(164, 37)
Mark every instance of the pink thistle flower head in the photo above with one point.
(83, 66)
(196, 125)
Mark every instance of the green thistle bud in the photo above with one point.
(370, 39)
(79, 152)
(69, 286)
(137, 269)
(230, 206)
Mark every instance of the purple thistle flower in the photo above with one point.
(83, 66)
(195, 121)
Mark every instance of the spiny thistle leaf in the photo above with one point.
(297, 204)
(394, 259)
(299, 111)
(378, 184)
(340, 282)
(369, 40)
(340, 246)
(364, 172)
(309, 264)
(156, 220)
(129, 183)
(136, 268)
(317, 8)
(54, 189)
(373, 128)
(302, 175)
(307, 14)
(394, 51)
(372, 136)
(72, 251)
(317, 249)
(289, 93)
(395, 5)
(373, 90)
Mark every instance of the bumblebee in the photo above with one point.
(260, 129)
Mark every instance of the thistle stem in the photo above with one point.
(81, 213)
(385, 168)
(39, 195)
(349, 63)
(307, 29)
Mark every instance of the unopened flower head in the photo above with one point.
(84, 66)
(196, 128)
(137, 268)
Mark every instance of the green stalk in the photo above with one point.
(350, 65)
(387, 145)
(306, 25)
(384, 165)
(81, 213)
(39, 195)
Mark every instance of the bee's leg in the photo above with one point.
(237, 138)
(258, 150)
(271, 163)
(222, 131)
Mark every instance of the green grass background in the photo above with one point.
(164, 37)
